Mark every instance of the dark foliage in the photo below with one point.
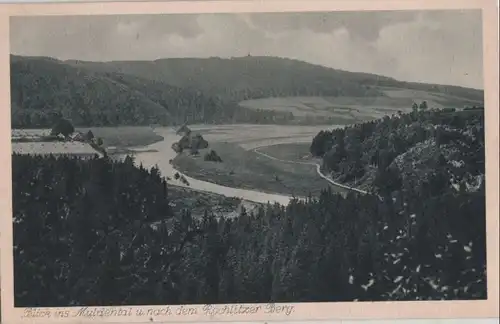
(89, 136)
(254, 77)
(183, 130)
(62, 127)
(191, 141)
(91, 98)
(99, 232)
(406, 151)
(212, 156)
(178, 91)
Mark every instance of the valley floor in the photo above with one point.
(248, 169)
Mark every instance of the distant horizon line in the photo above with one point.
(241, 57)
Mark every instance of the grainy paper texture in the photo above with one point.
(150, 149)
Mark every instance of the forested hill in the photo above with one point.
(432, 151)
(175, 91)
(40, 86)
(254, 77)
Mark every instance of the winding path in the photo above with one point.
(318, 170)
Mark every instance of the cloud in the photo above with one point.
(364, 24)
(428, 46)
(447, 50)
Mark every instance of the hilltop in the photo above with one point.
(253, 77)
(212, 90)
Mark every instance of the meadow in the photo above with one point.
(242, 168)
(296, 152)
(346, 110)
(124, 136)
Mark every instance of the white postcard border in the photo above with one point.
(301, 311)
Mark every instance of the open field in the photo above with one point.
(246, 169)
(355, 109)
(16, 134)
(313, 107)
(249, 170)
(297, 152)
(55, 148)
(250, 136)
(124, 136)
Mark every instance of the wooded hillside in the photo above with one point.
(41, 87)
(176, 91)
(253, 77)
(428, 150)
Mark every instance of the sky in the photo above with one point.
(443, 47)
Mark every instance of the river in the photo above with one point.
(160, 153)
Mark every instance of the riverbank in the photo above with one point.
(161, 155)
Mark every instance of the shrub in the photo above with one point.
(63, 127)
(89, 136)
(212, 156)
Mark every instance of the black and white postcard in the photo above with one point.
(249, 161)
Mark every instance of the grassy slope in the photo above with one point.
(124, 136)
(345, 109)
(246, 169)
(289, 152)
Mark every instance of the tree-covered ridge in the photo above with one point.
(41, 87)
(424, 149)
(253, 77)
(101, 232)
(175, 91)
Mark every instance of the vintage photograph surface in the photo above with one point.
(248, 158)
